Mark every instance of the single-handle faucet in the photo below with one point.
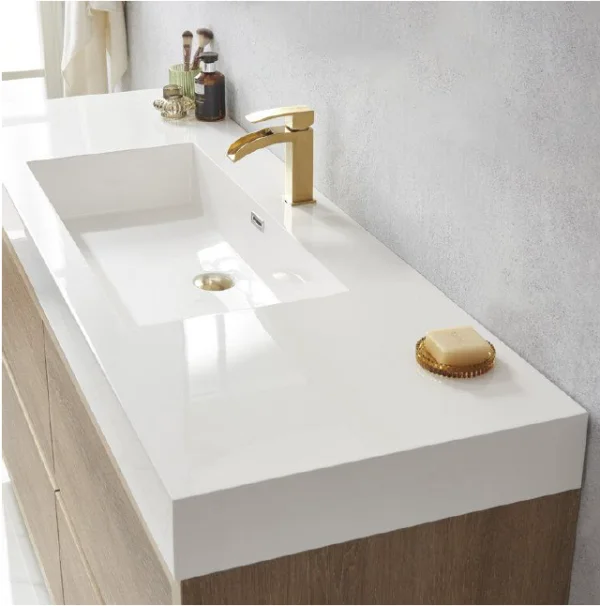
(297, 135)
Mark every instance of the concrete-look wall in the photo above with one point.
(465, 136)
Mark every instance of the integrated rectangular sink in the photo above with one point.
(158, 224)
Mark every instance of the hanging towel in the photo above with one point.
(95, 47)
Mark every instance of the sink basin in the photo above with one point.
(151, 222)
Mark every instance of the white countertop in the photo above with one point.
(291, 426)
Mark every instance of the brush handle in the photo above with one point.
(187, 53)
(196, 63)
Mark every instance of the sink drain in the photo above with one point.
(213, 281)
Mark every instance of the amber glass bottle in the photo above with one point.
(210, 90)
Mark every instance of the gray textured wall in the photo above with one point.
(465, 136)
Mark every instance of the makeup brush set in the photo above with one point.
(183, 74)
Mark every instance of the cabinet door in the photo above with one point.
(113, 538)
(23, 346)
(32, 484)
(79, 586)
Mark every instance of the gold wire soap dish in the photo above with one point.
(426, 360)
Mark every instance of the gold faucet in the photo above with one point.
(297, 135)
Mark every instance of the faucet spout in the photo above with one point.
(261, 138)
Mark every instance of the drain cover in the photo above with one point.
(213, 281)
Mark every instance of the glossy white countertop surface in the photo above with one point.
(252, 397)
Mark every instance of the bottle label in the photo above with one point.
(199, 88)
(214, 101)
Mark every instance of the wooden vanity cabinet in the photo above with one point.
(94, 546)
(27, 441)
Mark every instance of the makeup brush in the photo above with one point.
(205, 37)
(187, 49)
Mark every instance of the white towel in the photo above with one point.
(95, 47)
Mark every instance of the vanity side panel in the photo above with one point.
(513, 554)
(23, 345)
(79, 586)
(32, 484)
(113, 538)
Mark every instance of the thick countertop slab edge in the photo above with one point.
(306, 511)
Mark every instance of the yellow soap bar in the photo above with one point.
(462, 346)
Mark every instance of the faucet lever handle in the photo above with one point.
(297, 117)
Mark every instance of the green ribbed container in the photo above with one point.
(184, 79)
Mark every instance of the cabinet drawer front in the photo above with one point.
(31, 483)
(79, 586)
(114, 540)
(23, 345)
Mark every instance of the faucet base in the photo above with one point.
(300, 202)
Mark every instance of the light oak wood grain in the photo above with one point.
(23, 345)
(79, 586)
(516, 554)
(115, 542)
(31, 483)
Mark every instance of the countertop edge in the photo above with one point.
(251, 523)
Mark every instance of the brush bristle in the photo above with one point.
(187, 34)
(207, 33)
